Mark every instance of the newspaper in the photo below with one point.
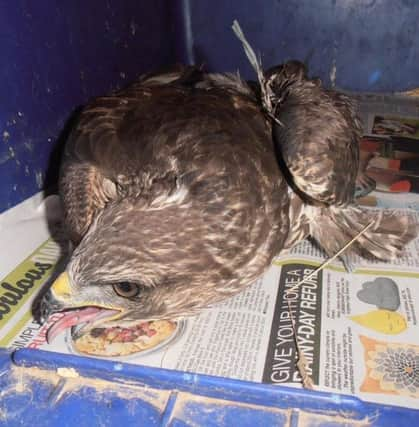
(359, 332)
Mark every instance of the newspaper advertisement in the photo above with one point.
(368, 343)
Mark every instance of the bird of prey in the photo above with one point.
(175, 198)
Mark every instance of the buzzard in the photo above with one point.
(179, 190)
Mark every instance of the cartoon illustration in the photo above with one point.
(384, 321)
(382, 292)
(391, 368)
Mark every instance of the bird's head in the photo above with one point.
(141, 262)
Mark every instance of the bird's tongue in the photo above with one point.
(75, 317)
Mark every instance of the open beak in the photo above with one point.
(60, 298)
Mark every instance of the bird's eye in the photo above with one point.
(126, 289)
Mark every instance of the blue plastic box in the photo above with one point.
(55, 56)
(34, 391)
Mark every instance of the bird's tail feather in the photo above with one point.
(332, 227)
(385, 239)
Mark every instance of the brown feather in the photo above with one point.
(173, 185)
(200, 207)
(318, 147)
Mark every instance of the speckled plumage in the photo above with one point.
(318, 150)
(173, 184)
(180, 192)
(329, 177)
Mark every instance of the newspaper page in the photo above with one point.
(359, 330)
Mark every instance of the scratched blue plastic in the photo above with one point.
(362, 45)
(187, 399)
(57, 54)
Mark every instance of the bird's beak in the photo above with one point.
(60, 298)
(60, 289)
(57, 298)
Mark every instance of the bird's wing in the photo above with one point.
(318, 143)
(85, 187)
(97, 164)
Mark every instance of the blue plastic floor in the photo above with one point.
(48, 389)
